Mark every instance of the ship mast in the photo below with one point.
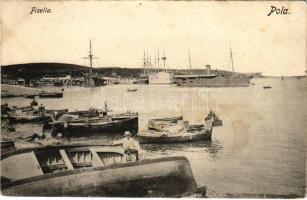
(158, 61)
(91, 57)
(164, 58)
(147, 62)
(231, 57)
(155, 63)
(144, 63)
(190, 59)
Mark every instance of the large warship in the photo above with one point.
(209, 79)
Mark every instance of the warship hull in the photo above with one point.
(212, 82)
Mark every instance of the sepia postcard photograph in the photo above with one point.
(171, 99)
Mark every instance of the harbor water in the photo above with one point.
(258, 152)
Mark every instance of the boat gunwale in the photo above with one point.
(98, 122)
(49, 147)
(90, 169)
(149, 134)
(96, 119)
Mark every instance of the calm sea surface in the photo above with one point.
(259, 150)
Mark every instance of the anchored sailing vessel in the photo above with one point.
(159, 77)
(212, 80)
(92, 79)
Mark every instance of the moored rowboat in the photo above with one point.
(25, 118)
(97, 125)
(161, 123)
(51, 94)
(132, 90)
(173, 130)
(165, 137)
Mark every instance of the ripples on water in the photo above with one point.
(258, 152)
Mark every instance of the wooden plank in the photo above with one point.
(78, 149)
(97, 162)
(66, 159)
(21, 166)
(110, 149)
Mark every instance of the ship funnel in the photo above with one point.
(208, 69)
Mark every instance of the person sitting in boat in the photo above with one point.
(33, 103)
(130, 145)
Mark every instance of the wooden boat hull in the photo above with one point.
(27, 118)
(84, 113)
(57, 110)
(58, 84)
(7, 146)
(164, 177)
(31, 96)
(130, 124)
(159, 124)
(87, 129)
(51, 95)
(149, 137)
(164, 123)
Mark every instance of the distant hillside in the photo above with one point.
(38, 70)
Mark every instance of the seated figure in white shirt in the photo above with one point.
(130, 145)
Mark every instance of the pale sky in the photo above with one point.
(120, 31)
